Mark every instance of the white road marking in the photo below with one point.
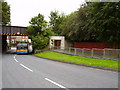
(61, 86)
(26, 67)
(15, 58)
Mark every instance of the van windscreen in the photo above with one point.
(22, 46)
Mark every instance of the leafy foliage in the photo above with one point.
(74, 26)
(38, 32)
(92, 22)
(5, 13)
(98, 21)
(40, 42)
(55, 21)
(105, 21)
(38, 25)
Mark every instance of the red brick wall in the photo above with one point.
(90, 45)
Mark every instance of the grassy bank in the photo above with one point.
(79, 60)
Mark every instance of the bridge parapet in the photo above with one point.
(14, 30)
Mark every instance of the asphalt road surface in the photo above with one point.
(27, 71)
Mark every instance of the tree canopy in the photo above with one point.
(105, 21)
(55, 21)
(38, 32)
(5, 12)
(93, 22)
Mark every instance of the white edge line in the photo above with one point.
(26, 67)
(55, 83)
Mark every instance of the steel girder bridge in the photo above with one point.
(10, 31)
(14, 31)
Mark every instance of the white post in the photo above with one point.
(62, 43)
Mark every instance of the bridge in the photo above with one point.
(14, 31)
(11, 31)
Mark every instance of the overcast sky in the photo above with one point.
(23, 10)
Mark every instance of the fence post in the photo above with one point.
(75, 50)
(92, 52)
(119, 55)
(83, 51)
(103, 53)
(69, 50)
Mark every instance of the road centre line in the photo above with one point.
(61, 86)
(15, 58)
(26, 67)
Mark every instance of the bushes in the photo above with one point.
(40, 42)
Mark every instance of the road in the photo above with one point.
(27, 71)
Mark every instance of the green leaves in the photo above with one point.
(55, 21)
(98, 21)
(5, 13)
(40, 42)
(105, 20)
(38, 32)
(38, 21)
(92, 22)
(74, 26)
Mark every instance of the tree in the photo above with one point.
(67, 26)
(105, 21)
(55, 21)
(38, 25)
(94, 22)
(38, 32)
(5, 13)
(4, 20)
(74, 27)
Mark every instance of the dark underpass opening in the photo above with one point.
(10, 31)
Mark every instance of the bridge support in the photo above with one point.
(4, 43)
(0, 44)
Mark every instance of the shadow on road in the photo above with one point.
(11, 51)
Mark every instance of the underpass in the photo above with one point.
(10, 31)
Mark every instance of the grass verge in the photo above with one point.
(79, 60)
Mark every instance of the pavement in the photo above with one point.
(27, 71)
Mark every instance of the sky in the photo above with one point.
(23, 10)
